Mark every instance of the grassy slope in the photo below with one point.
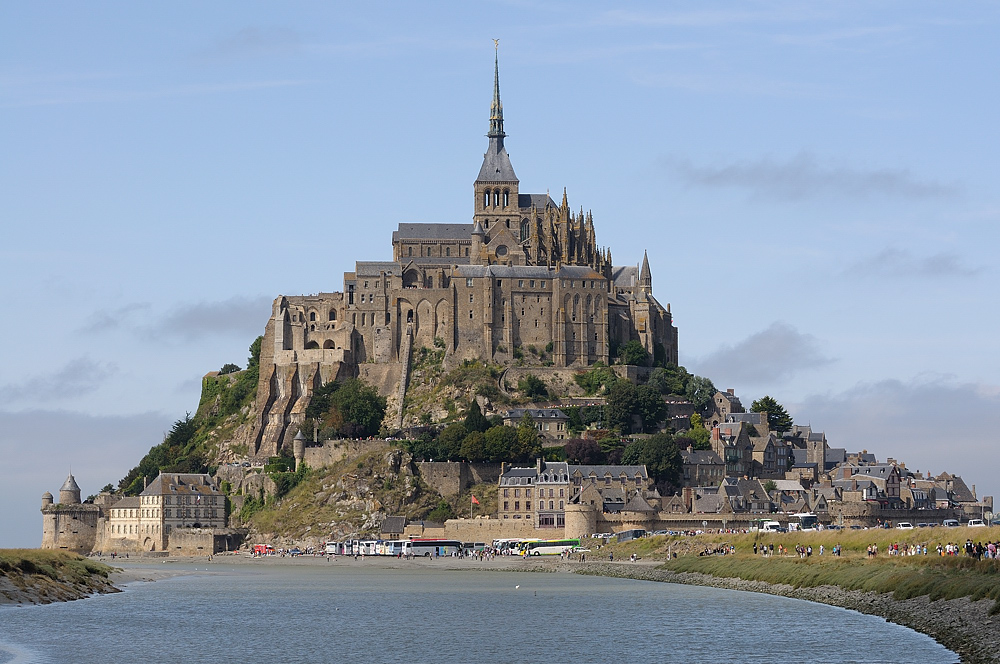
(34, 575)
(904, 576)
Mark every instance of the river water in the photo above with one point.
(341, 613)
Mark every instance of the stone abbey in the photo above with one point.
(526, 272)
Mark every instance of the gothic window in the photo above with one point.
(486, 198)
(506, 197)
(524, 230)
(333, 314)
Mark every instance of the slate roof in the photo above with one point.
(538, 200)
(614, 471)
(638, 504)
(417, 231)
(496, 164)
(536, 413)
(626, 276)
(70, 484)
(700, 457)
(181, 484)
(127, 503)
(393, 524)
(375, 268)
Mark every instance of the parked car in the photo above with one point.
(904, 525)
(295, 552)
(976, 523)
(950, 523)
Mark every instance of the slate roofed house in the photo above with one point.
(550, 422)
(701, 467)
(393, 527)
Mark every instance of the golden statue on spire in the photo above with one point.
(496, 44)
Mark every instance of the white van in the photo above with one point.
(904, 525)
(770, 527)
(976, 523)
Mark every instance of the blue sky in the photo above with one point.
(815, 185)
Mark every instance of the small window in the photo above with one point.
(471, 298)
(312, 315)
(366, 284)
(543, 284)
(409, 251)
(447, 251)
(531, 283)
(468, 282)
(520, 283)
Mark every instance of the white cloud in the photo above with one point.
(242, 316)
(771, 355)
(805, 176)
(902, 263)
(75, 378)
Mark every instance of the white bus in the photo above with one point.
(509, 546)
(548, 547)
(431, 547)
(807, 521)
(390, 547)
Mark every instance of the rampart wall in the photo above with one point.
(452, 477)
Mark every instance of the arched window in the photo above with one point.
(486, 198)
(312, 315)
(409, 251)
(496, 197)
(506, 197)
(333, 314)
(524, 230)
(447, 251)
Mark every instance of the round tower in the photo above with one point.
(581, 520)
(69, 493)
(299, 448)
(478, 237)
(46, 500)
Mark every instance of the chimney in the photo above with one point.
(690, 448)
(538, 464)
(731, 392)
(715, 433)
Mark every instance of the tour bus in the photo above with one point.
(629, 535)
(390, 548)
(807, 521)
(509, 546)
(431, 547)
(333, 548)
(548, 547)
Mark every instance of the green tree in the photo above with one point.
(659, 454)
(700, 391)
(650, 407)
(474, 447)
(501, 443)
(254, 360)
(699, 436)
(532, 387)
(350, 407)
(778, 419)
(670, 379)
(633, 353)
(621, 404)
(529, 445)
(770, 486)
(598, 378)
(474, 418)
(229, 368)
(449, 442)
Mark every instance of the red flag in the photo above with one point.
(474, 501)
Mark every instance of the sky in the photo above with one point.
(815, 184)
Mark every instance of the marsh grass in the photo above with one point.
(56, 565)
(938, 577)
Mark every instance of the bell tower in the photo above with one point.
(496, 187)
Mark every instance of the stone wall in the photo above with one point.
(452, 477)
(204, 541)
(71, 527)
(487, 530)
(330, 452)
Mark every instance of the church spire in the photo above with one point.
(496, 108)
(645, 276)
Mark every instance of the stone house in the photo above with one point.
(701, 467)
(550, 422)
